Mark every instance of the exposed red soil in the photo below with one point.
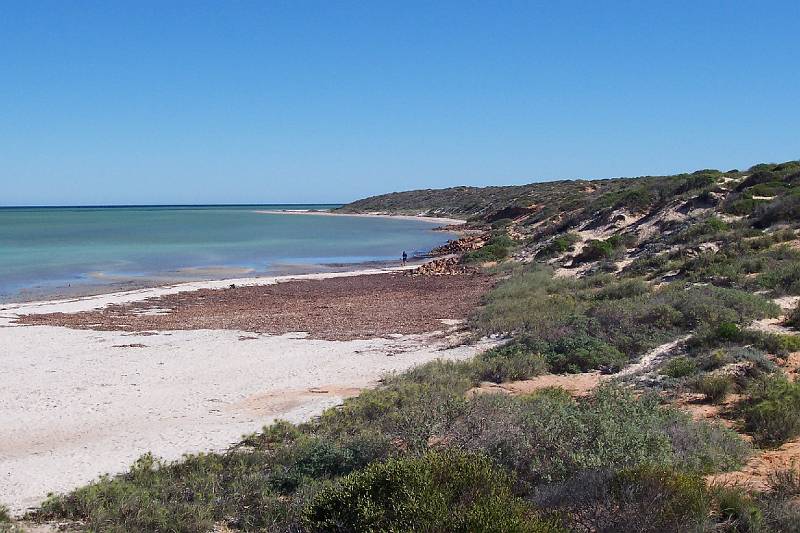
(575, 384)
(353, 307)
(755, 474)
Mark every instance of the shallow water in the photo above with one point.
(49, 249)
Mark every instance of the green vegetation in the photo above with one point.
(596, 250)
(291, 477)
(793, 318)
(649, 499)
(598, 322)
(558, 245)
(496, 248)
(511, 362)
(715, 387)
(772, 413)
(679, 367)
(449, 491)
(5, 519)
(738, 509)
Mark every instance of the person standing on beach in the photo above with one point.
(405, 257)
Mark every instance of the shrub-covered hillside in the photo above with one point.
(648, 383)
(492, 203)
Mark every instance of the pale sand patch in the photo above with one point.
(575, 384)
(76, 404)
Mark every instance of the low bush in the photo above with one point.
(730, 339)
(496, 248)
(793, 318)
(185, 496)
(783, 278)
(628, 288)
(596, 250)
(679, 367)
(5, 516)
(487, 253)
(737, 510)
(549, 437)
(597, 322)
(578, 353)
(715, 387)
(772, 413)
(706, 230)
(781, 515)
(785, 483)
(784, 209)
(558, 245)
(448, 491)
(511, 362)
(781, 503)
(644, 499)
(408, 409)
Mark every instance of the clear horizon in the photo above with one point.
(192, 103)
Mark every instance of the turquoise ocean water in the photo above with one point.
(46, 250)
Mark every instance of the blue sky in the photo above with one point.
(298, 101)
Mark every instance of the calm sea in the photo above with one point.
(47, 250)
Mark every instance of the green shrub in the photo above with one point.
(785, 483)
(783, 278)
(489, 252)
(580, 353)
(679, 367)
(702, 231)
(185, 496)
(742, 205)
(618, 290)
(644, 499)
(728, 332)
(595, 322)
(509, 363)
(549, 437)
(314, 458)
(772, 414)
(788, 343)
(409, 409)
(737, 509)
(596, 250)
(793, 318)
(783, 209)
(448, 491)
(715, 387)
(781, 515)
(558, 245)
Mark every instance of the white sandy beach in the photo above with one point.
(435, 220)
(79, 403)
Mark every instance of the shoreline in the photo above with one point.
(71, 304)
(422, 218)
(89, 290)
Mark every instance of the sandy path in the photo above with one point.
(75, 404)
